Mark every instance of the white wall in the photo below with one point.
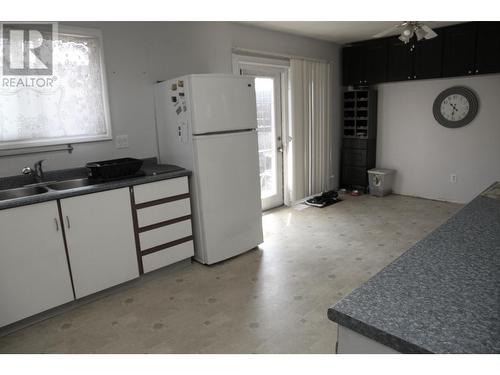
(138, 54)
(425, 153)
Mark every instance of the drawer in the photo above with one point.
(166, 234)
(355, 143)
(352, 156)
(161, 189)
(168, 256)
(163, 212)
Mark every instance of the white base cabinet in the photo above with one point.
(111, 237)
(100, 239)
(350, 342)
(34, 274)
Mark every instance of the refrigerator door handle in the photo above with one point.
(225, 132)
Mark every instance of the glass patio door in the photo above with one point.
(269, 128)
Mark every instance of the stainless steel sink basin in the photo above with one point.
(71, 184)
(22, 192)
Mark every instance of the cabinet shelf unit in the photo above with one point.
(360, 114)
(360, 133)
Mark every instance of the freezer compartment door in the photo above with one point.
(222, 103)
(229, 194)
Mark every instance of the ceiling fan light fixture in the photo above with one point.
(429, 33)
(420, 33)
(408, 29)
(404, 38)
(406, 34)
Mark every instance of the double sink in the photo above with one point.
(42, 188)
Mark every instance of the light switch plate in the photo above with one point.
(121, 141)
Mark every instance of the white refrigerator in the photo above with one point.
(207, 123)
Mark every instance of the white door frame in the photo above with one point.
(273, 67)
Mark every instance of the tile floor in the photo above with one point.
(272, 299)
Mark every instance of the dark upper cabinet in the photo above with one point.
(375, 61)
(350, 65)
(347, 59)
(399, 60)
(364, 63)
(428, 58)
(355, 71)
(357, 68)
(415, 60)
(487, 48)
(459, 50)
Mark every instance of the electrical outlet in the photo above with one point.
(453, 178)
(121, 141)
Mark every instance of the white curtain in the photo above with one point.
(311, 128)
(71, 106)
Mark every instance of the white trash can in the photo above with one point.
(381, 181)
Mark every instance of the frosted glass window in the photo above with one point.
(71, 108)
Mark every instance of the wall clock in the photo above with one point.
(455, 107)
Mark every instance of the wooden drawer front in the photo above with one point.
(168, 256)
(160, 189)
(354, 157)
(163, 212)
(164, 235)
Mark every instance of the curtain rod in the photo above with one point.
(35, 150)
(275, 55)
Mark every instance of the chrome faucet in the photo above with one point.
(36, 171)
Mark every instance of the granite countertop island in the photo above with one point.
(152, 172)
(440, 296)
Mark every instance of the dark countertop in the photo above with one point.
(153, 172)
(440, 296)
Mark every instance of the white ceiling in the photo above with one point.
(337, 31)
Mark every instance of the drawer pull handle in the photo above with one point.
(67, 222)
(57, 224)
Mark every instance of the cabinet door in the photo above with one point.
(352, 156)
(399, 60)
(356, 68)
(34, 274)
(100, 238)
(375, 61)
(459, 50)
(347, 61)
(354, 175)
(488, 48)
(428, 58)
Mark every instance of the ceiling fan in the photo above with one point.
(408, 29)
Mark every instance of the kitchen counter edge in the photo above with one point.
(111, 185)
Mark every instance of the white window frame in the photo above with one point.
(28, 143)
